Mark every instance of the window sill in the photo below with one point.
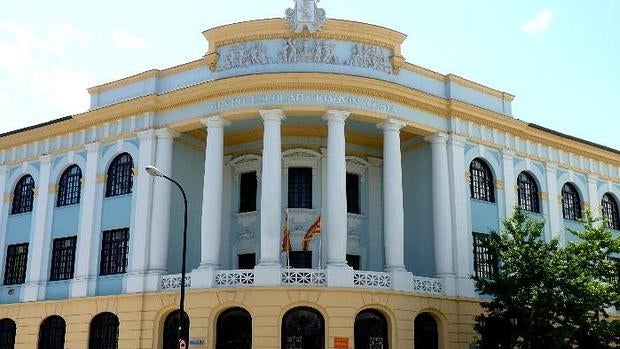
(483, 202)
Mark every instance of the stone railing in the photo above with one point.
(426, 285)
(228, 278)
(372, 279)
(173, 282)
(305, 277)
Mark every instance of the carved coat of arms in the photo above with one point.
(306, 14)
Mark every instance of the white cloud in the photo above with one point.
(4, 98)
(126, 40)
(540, 23)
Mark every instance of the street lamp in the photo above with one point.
(155, 172)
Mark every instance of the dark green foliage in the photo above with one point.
(548, 296)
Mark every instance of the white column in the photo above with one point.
(268, 269)
(375, 222)
(160, 217)
(459, 197)
(336, 228)
(442, 215)
(555, 203)
(84, 274)
(141, 200)
(35, 284)
(393, 208)
(211, 223)
(508, 168)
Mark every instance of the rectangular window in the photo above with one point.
(485, 263)
(247, 192)
(353, 193)
(300, 259)
(300, 187)
(63, 258)
(353, 261)
(16, 262)
(246, 261)
(114, 251)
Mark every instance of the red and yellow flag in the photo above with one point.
(315, 229)
(286, 235)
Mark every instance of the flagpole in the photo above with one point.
(320, 250)
(288, 247)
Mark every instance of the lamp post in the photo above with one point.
(155, 172)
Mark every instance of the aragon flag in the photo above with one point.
(315, 229)
(286, 235)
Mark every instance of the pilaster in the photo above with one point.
(554, 207)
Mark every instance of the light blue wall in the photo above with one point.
(417, 193)
(57, 290)
(109, 285)
(18, 228)
(65, 221)
(484, 216)
(188, 170)
(116, 212)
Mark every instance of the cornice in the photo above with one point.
(478, 87)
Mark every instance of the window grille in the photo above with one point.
(371, 330)
(527, 192)
(52, 333)
(104, 332)
(299, 187)
(485, 263)
(353, 193)
(114, 251)
(610, 211)
(481, 181)
(571, 205)
(247, 192)
(303, 327)
(120, 176)
(63, 258)
(16, 262)
(7, 333)
(23, 196)
(69, 187)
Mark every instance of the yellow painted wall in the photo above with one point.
(142, 315)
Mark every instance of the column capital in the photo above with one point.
(145, 135)
(437, 138)
(45, 159)
(92, 147)
(551, 167)
(166, 133)
(391, 125)
(272, 114)
(336, 115)
(215, 121)
(456, 140)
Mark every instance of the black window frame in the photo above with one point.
(52, 333)
(486, 264)
(481, 182)
(300, 187)
(114, 252)
(246, 260)
(609, 208)
(104, 331)
(63, 258)
(16, 264)
(353, 193)
(571, 202)
(371, 330)
(8, 331)
(248, 189)
(300, 259)
(23, 195)
(69, 187)
(527, 193)
(120, 176)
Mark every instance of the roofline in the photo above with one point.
(577, 139)
(35, 126)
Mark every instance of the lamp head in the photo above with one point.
(153, 171)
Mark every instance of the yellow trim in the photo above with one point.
(478, 87)
(499, 185)
(102, 178)
(53, 189)
(8, 197)
(543, 195)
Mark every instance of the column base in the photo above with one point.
(402, 280)
(203, 277)
(339, 276)
(82, 287)
(152, 280)
(33, 291)
(267, 274)
(135, 282)
(449, 284)
(465, 287)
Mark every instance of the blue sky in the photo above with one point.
(561, 58)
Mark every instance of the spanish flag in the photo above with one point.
(286, 235)
(314, 229)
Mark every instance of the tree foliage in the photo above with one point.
(547, 296)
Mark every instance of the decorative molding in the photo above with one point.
(102, 178)
(499, 185)
(300, 157)
(246, 163)
(543, 195)
(305, 15)
(8, 198)
(357, 166)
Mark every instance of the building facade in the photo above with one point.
(284, 123)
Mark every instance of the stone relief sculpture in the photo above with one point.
(307, 51)
(367, 56)
(306, 14)
(244, 55)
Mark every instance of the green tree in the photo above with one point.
(546, 296)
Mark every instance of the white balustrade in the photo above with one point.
(228, 278)
(372, 279)
(426, 285)
(304, 277)
(173, 282)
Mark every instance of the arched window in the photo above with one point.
(610, 211)
(23, 196)
(425, 333)
(303, 327)
(371, 330)
(481, 183)
(103, 332)
(527, 192)
(7, 333)
(52, 333)
(234, 329)
(70, 186)
(571, 204)
(171, 329)
(120, 176)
